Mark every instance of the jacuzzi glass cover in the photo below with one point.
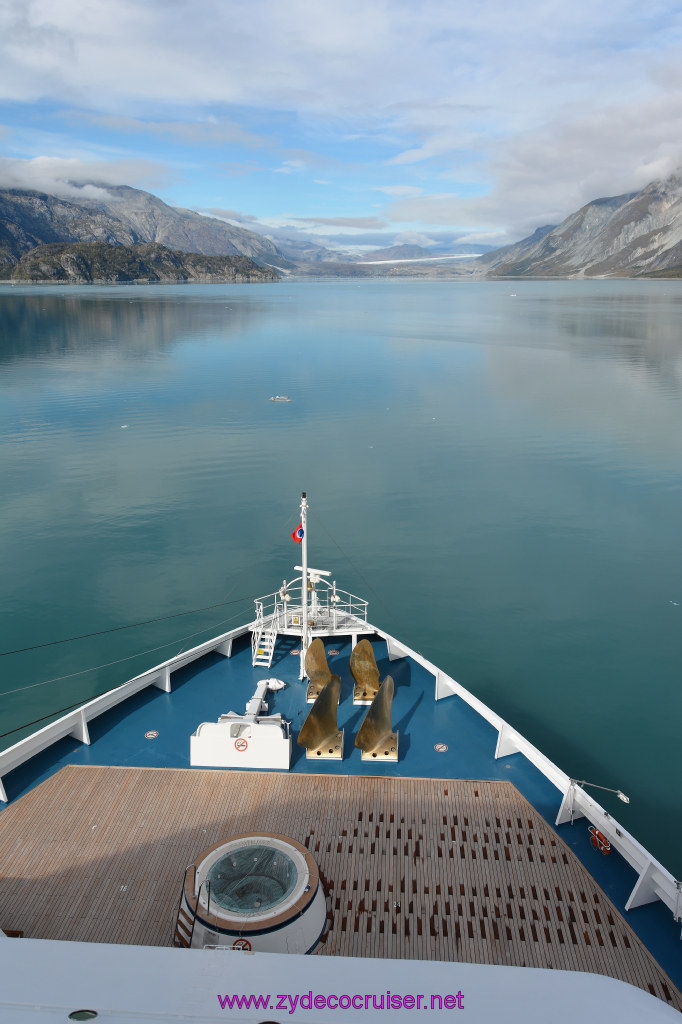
(250, 879)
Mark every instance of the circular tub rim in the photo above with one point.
(233, 924)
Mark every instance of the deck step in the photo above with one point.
(184, 926)
(264, 647)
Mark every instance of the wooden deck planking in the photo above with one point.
(434, 844)
(484, 893)
(445, 876)
(431, 839)
(118, 841)
(493, 901)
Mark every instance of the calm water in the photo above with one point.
(502, 463)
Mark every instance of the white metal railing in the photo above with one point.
(654, 882)
(328, 608)
(75, 723)
(345, 610)
(256, 631)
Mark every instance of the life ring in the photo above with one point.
(599, 841)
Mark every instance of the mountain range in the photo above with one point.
(636, 234)
(630, 235)
(120, 216)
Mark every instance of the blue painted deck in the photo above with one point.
(214, 685)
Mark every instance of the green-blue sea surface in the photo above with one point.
(500, 461)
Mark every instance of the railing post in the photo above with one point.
(506, 743)
(568, 810)
(80, 730)
(163, 680)
(645, 888)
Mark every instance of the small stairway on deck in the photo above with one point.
(184, 922)
(184, 927)
(263, 645)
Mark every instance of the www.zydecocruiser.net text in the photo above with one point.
(360, 1001)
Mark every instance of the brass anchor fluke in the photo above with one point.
(320, 734)
(365, 672)
(316, 669)
(375, 737)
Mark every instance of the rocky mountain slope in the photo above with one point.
(516, 251)
(624, 236)
(398, 252)
(153, 221)
(146, 262)
(123, 216)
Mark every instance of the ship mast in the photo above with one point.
(304, 583)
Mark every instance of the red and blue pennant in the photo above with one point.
(297, 535)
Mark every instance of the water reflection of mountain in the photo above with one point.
(639, 327)
(123, 322)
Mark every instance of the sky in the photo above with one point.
(351, 124)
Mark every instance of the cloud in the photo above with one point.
(413, 238)
(542, 175)
(109, 55)
(300, 160)
(237, 169)
(231, 215)
(349, 239)
(398, 190)
(345, 57)
(343, 222)
(210, 132)
(496, 238)
(542, 106)
(75, 177)
(438, 144)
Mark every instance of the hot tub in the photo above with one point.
(256, 891)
